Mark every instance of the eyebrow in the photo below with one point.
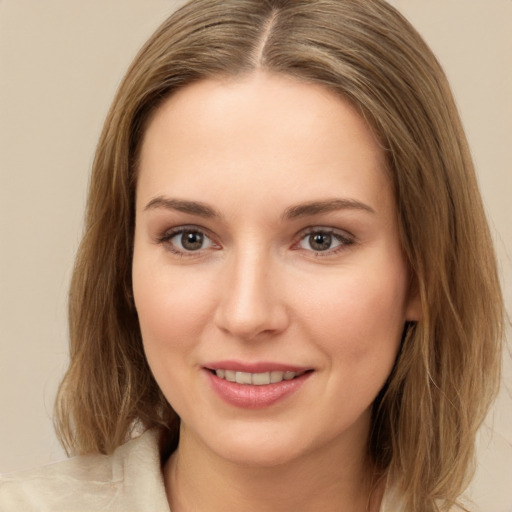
(182, 205)
(293, 212)
(330, 205)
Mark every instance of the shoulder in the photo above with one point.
(121, 481)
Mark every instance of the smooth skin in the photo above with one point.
(266, 231)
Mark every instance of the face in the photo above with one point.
(268, 277)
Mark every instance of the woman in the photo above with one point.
(273, 281)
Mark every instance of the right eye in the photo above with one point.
(184, 241)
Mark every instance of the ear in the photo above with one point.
(413, 310)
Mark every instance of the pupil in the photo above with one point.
(192, 240)
(320, 241)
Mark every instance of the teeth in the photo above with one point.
(243, 378)
(276, 377)
(229, 375)
(260, 379)
(256, 379)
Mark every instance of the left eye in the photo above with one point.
(190, 240)
(323, 241)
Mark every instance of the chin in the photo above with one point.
(265, 453)
(264, 444)
(250, 444)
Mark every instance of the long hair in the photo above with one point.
(447, 372)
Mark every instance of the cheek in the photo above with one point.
(171, 308)
(361, 321)
(172, 314)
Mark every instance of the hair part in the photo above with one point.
(448, 369)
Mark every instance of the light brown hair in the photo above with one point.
(448, 368)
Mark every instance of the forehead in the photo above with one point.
(262, 133)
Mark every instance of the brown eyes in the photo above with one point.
(186, 241)
(325, 241)
(183, 240)
(192, 240)
(318, 242)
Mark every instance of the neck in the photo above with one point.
(332, 480)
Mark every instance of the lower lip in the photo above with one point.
(249, 396)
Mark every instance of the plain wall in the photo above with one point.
(60, 64)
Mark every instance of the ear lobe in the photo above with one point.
(413, 310)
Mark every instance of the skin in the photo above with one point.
(251, 149)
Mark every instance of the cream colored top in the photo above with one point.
(129, 480)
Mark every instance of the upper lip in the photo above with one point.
(255, 367)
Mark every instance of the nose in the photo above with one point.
(252, 300)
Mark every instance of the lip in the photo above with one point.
(255, 367)
(250, 396)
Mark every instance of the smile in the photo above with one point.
(256, 379)
(255, 385)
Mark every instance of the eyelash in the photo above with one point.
(345, 240)
(166, 238)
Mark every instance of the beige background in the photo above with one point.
(60, 63)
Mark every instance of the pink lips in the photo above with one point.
(263, 366)
(251, 396)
